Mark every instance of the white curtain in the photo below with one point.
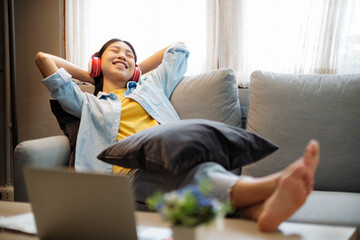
(225, 35)
(75, 34)
(294, 36)
(149, 25)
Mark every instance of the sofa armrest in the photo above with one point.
(49, 152)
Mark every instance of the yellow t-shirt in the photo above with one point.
(133, 119)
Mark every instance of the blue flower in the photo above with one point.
(188, 206)
(159, 206)
(205, 201)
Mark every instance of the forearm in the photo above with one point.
(154, 60)
(49, 64)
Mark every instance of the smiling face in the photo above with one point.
(118, 63)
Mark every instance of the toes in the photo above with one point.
(311, 156)
(314, 147)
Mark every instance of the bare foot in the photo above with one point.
(310, 160)
(291, 191)
(288, 197)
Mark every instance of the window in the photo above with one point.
(293, 36)
(148, 25)
(302, 36)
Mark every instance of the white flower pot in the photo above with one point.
(199, 232)
(190, 233)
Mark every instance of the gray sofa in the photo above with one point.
(288, 110)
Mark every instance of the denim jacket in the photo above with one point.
(100, 115)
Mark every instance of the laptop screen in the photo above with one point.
(72, 205)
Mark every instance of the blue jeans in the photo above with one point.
(144, 184)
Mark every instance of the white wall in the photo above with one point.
(38, 27)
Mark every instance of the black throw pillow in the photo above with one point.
(69, 124)
(178, 146)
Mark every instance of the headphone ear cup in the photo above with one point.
(136, 75)
(94, 66)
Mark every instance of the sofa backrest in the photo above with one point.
(290, 109)
(212, 95)
(244, 105)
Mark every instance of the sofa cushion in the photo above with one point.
(176, 147)
(69, 124)
(291, 109)
(212, 95)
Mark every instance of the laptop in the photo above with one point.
(72, 205)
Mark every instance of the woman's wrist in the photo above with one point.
(82, 75)
(154, 60)
(49, 64)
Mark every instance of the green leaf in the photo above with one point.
(153, 201)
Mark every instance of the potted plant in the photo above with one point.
(190, 210)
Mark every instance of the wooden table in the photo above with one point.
(234, 228)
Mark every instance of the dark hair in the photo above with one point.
(99, 81)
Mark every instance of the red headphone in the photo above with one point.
(94, 68)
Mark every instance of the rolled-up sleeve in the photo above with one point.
(172, 69)
(65, 91)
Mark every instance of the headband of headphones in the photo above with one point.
(94, 68)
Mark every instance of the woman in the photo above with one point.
(100, 119)
(124, 107)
